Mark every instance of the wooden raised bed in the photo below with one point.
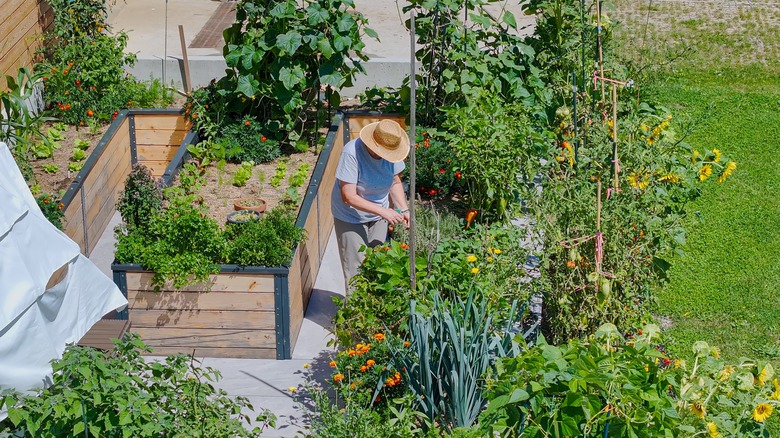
(249, 311)
(146, 136)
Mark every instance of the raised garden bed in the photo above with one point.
(152, 137)
(245, 311)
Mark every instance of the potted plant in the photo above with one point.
(253, 204)
(243, 216)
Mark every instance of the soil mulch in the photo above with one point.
(219, 192)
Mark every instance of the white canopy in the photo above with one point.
(37, 323)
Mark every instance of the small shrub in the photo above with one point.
(141, 198)
(248, 141)
(51, 207)
(119, 394)
(265, 242)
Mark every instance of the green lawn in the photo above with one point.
(726, 289)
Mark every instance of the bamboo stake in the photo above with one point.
(616, 184)
(187, 83)
(412, 159)
(601, 54)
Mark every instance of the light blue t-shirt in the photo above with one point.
(373, 178)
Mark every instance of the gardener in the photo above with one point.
(368, 182)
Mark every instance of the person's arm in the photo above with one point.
(350, 197)
(398, 198)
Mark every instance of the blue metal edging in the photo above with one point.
(282, 313)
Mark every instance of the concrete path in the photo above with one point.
(266, 383)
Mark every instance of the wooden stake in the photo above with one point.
(616, 183)
(412, 160)
(601, 54)
(598, 206)
(187, 86)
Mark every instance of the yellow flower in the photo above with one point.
(762, 377)
(644, 127)
(712, 428)
(717, 155)
(471, 258)
(715, 352)
(474, 270)
(292, 389)
(306, 366)
(698, 409)
(776, 395)
(670, 178)
(647, 368)
(728, 370)
(762, 412)
(676, 363)
(490, 259)
(695, 156)
(338, 377)
(496, 251)
(705, 172)
(727, 171)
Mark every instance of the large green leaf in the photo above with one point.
(325, 48)
(247, 85)
(330, 76)
(509, 19)
(291, 77)
(316, 14)
(289, 42)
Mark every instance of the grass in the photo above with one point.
(726, 289)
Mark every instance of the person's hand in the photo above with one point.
(392, 216)
(407, 219)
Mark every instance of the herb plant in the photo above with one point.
(243, 173)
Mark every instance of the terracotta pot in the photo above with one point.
(253, 204)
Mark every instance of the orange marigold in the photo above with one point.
(332, 364)
(363, 369)
(370, 363)
(379, 336)
(338, 377)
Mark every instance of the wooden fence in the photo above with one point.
(21, 27)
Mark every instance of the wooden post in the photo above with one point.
(412, 160)
(187, 87)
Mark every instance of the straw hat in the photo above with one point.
(387, 139)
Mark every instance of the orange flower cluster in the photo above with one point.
(338, 377)
(359, 349)
(393, 380)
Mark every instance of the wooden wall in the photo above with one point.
(157, 138)
(235, 319)
(100, 188)
(21, 27)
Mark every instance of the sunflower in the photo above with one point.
(695, 156)
(670, 178)
(726, 372)
(776, 393)
(762, 412)
(705, 172)
(698, 409)
(712, 428)
(762, 377)
(717, 155)
(727, 171)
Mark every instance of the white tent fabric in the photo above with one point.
(37, 323)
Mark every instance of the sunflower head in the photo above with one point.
(762, 412)
(698, 409)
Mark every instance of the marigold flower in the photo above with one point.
(762, 412)
(474, 270)
(338, 377)
(351, 353)
(698, 409)
(379, 336)
(370, 363)
(407, 343)
(471, 258)
(247, 123)
(332, 364)
(363, 369)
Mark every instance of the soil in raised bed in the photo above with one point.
(56, 182)
(219, 192)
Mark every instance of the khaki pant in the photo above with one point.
(350, 237)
